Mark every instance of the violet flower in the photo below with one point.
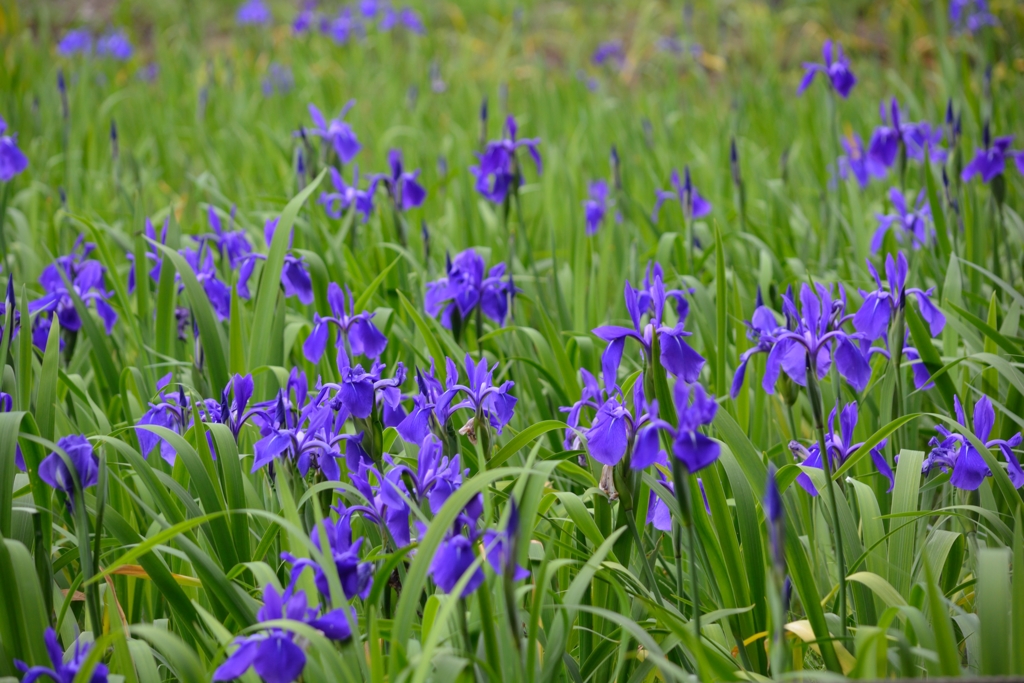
(840, 446)
(54, 470)
(615, 430)
(428, 411)
(595, 208)
(464, 288)
(773, 512)
(346, 196)
(201, 262)
(253, 12)
(295, 278)
(676, 355)
(499, 546)
(152, 254)
(455, 556)
(305, 436)
(173, 412)
(75, 41)
(115, 44)
(695, 450)
(405, 190)
(990, 161)
(970, 15)
(498, 170)
(341, 136)
(911, 221)
(487, 402)
(592, 396)
(277, 654)
(609, 52)
(64, 670)
(12, 160)
(436, 478)
(234, 402)
(85, 277)
(354, 330)
(880, 306)
(858, 163)
(886, 138)
(231, 244)
(693, 204)
(355, 576)
(836, 68)
(955, 452)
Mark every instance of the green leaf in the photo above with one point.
(993, 604)
(929, 356)
(522, 438)
(902, 544)
(371, 289)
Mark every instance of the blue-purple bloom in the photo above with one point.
(403, 185)
(355, 330)
(115, 44)
(872, 319)
(355, 576)
(406, 17)
(912, 221)
(693, 204)
(858, 163)
(303, 433)
(274, 654)
(85, 277)
(427, 410)
(464, 288)
(62, 671)
(455, 556)
(75, 41)
(990, 160)
(615, 429)
(498, 170)
(253, 12)
(279, 79)
(596, 206)
(499, 546)
(836, 68)
(12, 160)
(341, 136)
(773, 512)
(487, 402)
(231, 244)
(201, 262)
(54, 470)
(676, 355)
(609, 52)
(917, 139)
(955, 452)
(346, 196)
(695, 450)
(840, 446)
(971, 15)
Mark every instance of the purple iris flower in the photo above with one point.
(152, 254)
(773, 511)
(253, 12)
(356, 330)
(990, 161)
(436, 478)
(64, 670)
(922, 137)
(879, 307)
(955, 452)
(464, 288)
(840, 446)
(693, 204)
(279, 79)
(345, 195)
(498, 170)
(75, 41)
(12, 160)
(858, 163)
(356, 577)
(615, 429)
(695, 408)
(836, 68)
(369, 8)
(410, 19)
(343, 27)
(85, 277)
(912, 221)
(337, 132)
(970, 15)
(762, 329)
(275, 654)
(232, 244)
(54, 470)
(885, 140)
(295, 278)
(234, 402)
(115, 44)
(6, 405)
(677, 356)
(593, 396)
(427, 409)
(305, 19)
(487, 401)
(304, 434)
(596, 206)
(201, 262)
(609, 52)
(499, 545)
(173, 412)
(403, 186)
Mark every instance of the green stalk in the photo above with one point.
(646, 560)
(818, 408)
(686, 509)
(487, 626)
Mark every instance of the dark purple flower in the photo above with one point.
(840, 446)
(990, 161)
(337, 132)
(499, 546)
(498, 170)
(356, 576)
(85, 277)
(858, 163)
(201, 262)
(152, 254)
(880, 305)
(387, 506)
(453, 559)
(955, 452)
(274, 653)
(75, 41)
(403, 186)
(596, 206)
(115, 44)
(676, 355)
(609, 52)
(427, 412)
(305, 434)
(64, 669)
(464, 288)
(234, 402)
(253, 12)
(911, 221)
(885, 140)
(487, 402)
(231, 244)
(357, 331)
(12, 160)
(836, 68)
(773, 512)
(970, 15)
(693, 204)
(346, 196)
(54, 470)
(695, 408)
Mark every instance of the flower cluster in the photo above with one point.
(114, 44)
(498, 171)
(465, 289)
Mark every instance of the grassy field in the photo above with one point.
(494, 341)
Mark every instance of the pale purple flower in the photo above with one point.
(115, 44)
(596, 206)
(910, 223)
(75, 41)
(836, 68)
(693, 204)
(341, 136)
(253, 12)
(347, 196)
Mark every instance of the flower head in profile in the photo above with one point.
(347, 196)
(695, 409)
(54, 469)
(217, 291)
(489, 402)
(337, 132)
(115, 44)
(840, 446)
(880, 305)
(692, 202)
(774, 510)
(74, 274)
(253, 12)
(909, 223)
(76, 41)
(455, 557)
(356, 330)
(856, 162)
(403, 185)
(428, 413)
(12, 160)
(465, 287)
(499, 546)
(596, 206)
(836, 68)
(276, 654)
(498, 170)
(953, 451)
(356, 576)
(62, 669)
(990, 160)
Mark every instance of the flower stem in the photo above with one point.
(646, 560)
(686, 509)
(818, 408)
